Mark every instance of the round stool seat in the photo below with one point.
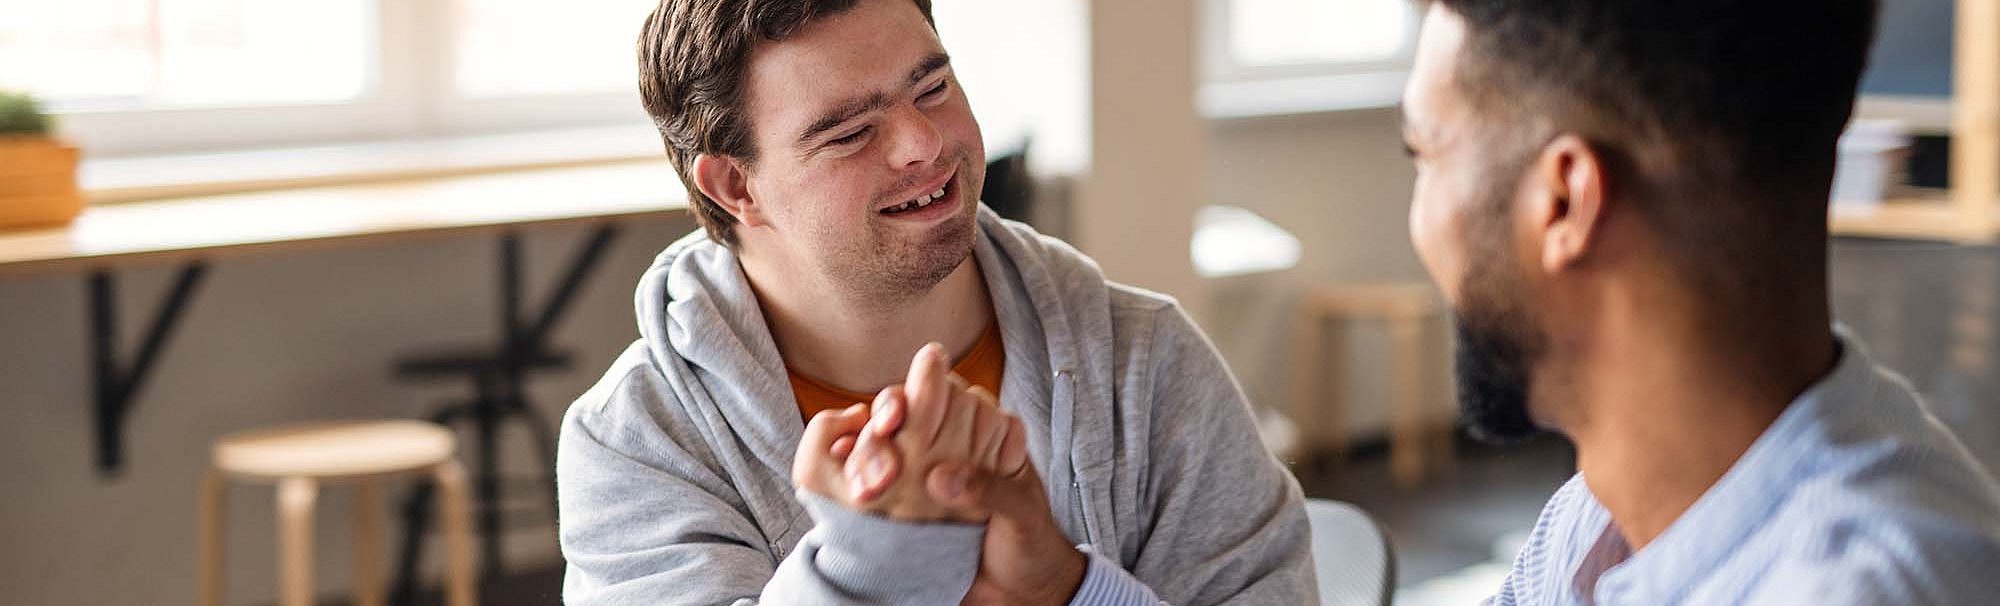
(349, 448)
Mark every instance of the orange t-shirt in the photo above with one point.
(982, 366)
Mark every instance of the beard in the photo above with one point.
(1498, 344)
(1491, 366)
(890, 265)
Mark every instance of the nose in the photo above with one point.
(917, 139)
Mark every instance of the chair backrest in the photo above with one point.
(1351, 554)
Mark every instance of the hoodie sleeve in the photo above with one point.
(649, 517)
(1227, 521)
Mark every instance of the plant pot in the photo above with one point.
(37, 182)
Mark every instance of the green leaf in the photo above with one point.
(21, 114)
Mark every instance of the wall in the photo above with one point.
(272, 338)
(1338, 181)
(1135, 205)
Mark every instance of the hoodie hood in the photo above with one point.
(701, 322)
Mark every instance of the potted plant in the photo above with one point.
(37, 171)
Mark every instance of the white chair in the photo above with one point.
(1351, 554)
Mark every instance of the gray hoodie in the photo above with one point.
(674, 470)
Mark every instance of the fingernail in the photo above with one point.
(952, 482)
(878, 468)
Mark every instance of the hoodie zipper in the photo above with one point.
(1078, 509)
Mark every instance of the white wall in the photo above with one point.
(1134, 209)
(1338, 181)
(272, 338)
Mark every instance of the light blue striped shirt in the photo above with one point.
(1856, 495)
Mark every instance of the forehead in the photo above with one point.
(1431, 95)
(869, 48)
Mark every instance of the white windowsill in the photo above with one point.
(112, 180)
(1304, 95)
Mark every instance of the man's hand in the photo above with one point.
(934, 416)
(1026, 558)
(966, 460)
(856, 456)
(820, 465)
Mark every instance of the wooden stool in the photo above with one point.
(1407, 309)
(299, 459)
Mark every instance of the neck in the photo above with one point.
(862, 343)
(1673, 387)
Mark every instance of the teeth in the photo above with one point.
(920, 202)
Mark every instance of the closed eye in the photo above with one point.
(856, 136)
(936, 91)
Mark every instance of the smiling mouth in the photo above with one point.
(922, 201)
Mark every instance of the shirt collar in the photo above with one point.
(1719, 523)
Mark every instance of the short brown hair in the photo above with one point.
(692, 55)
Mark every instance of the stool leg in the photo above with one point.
(367, 544)
(1408, 445)
(1305, 379)
(416, 526)
(486, 482)
(417, 520)
(461, 587)
(296, 498)
(1443, 425)
(214, 498)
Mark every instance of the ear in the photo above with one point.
(723, 180)
(1567, 202)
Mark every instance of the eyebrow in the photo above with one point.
(850, 108)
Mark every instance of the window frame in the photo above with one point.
(1232, 89)
(412, 96)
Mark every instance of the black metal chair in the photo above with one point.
(1009, 189)
(498, 374)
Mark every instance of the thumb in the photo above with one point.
(974, 492)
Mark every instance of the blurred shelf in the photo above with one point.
(1970, 213)
(1928, 215)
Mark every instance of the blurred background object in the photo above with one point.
(37, 170)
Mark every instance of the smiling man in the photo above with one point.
(1625, 202)
(834, 164)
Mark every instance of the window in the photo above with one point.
(138, 76)
(1284, 56)
(586, 46)
(1024, 65)
(168, 53)
(1266, 33)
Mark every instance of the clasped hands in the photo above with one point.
(937, 449)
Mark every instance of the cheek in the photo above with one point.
(959, 124)
(1435, 230)
(1427, 224)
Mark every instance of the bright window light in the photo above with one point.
(142, 54)
(1295, 32)
(533, 47)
